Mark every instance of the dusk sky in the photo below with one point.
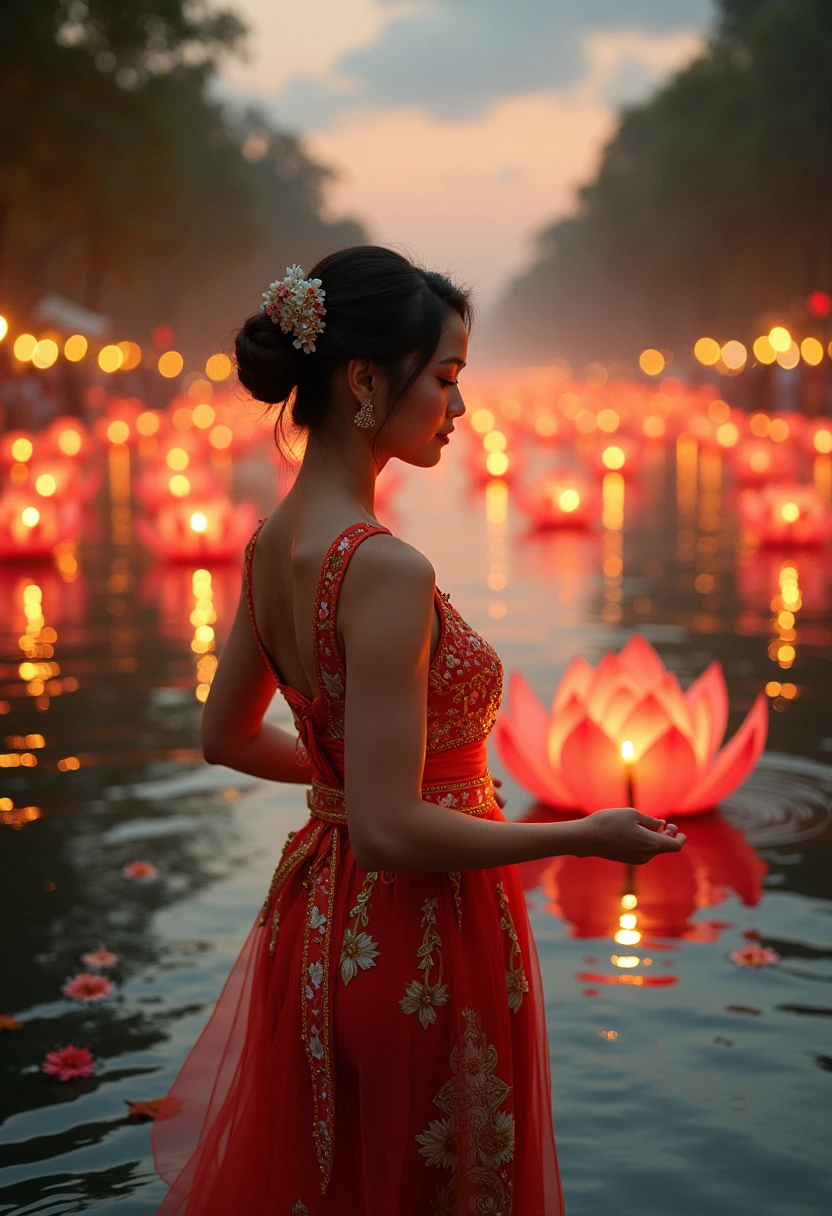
(459, 127)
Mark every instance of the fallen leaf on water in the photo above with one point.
(139, 1112)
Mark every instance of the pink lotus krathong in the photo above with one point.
(571, 757)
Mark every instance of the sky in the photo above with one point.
(458, 128)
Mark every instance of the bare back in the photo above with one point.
(286, 566)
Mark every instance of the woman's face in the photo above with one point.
(422, 422)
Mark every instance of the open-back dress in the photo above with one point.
(379, 1048)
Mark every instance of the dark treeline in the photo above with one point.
(124, 187)
(711, 212)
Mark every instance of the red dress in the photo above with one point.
(379, 1048)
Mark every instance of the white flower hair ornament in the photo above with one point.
(296, 304)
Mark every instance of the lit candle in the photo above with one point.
(628, 751)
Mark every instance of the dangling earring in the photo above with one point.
(365, 416)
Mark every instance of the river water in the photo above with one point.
(681, 1082)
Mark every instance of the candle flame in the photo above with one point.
(627, 751)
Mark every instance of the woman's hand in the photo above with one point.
(625, 834)
(498, 798)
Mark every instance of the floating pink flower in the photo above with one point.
(100, 958)
(140, 871)
(572, 757)
(88, 988)
(754, 956)
(68, 1063)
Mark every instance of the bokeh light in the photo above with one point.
(218, 367)
(707, 351)
(110, 358)
(24, 347)
(170, 364)
(780, 338)
(45, 353)
(734, 355)
(651, 362)
(75, 348)
(790, 357)
(811, 351)
(764, 352)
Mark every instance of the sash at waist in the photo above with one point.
(457, 778)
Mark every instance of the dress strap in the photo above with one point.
(329, 665)
(249, 553)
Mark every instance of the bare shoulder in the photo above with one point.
(387, 563)
(387, 598)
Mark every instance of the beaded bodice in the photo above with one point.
(465, 678)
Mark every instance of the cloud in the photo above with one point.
(454, 58)
(468, 194)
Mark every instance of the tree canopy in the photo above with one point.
(124, 186)
(712, 206)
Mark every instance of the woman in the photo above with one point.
(380, 1046)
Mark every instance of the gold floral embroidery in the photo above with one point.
(516, 983)
(359, 949)
(476, 1139)
(421, 996)
(465, 684)
(315, 1011)
(300, 1209)
(456, 882)
(289, 861)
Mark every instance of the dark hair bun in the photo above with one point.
(268, 364)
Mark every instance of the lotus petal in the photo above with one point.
(607, 678)
(576, 679)
(664, 774)
(524, 744)
(733, 764)
(668, 692)
(623, 702)
(528, 715)
(591, 769)
(641, 660)
(647, 723)
(707, 700)
(530, 769)
(561, 725)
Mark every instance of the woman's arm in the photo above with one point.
(385, 614)
(233, 730)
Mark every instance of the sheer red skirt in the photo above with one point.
(379, 1047)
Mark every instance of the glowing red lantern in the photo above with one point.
(616, 454)
(31, 526)
(786, 514)
(18, 447)
(572, 757)
(490, 456)
(206, 529)
(65, 436)
(756, 461)
(117, 425)
(160, 484)
(560, 500)
(817, 437)
(64, 478)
